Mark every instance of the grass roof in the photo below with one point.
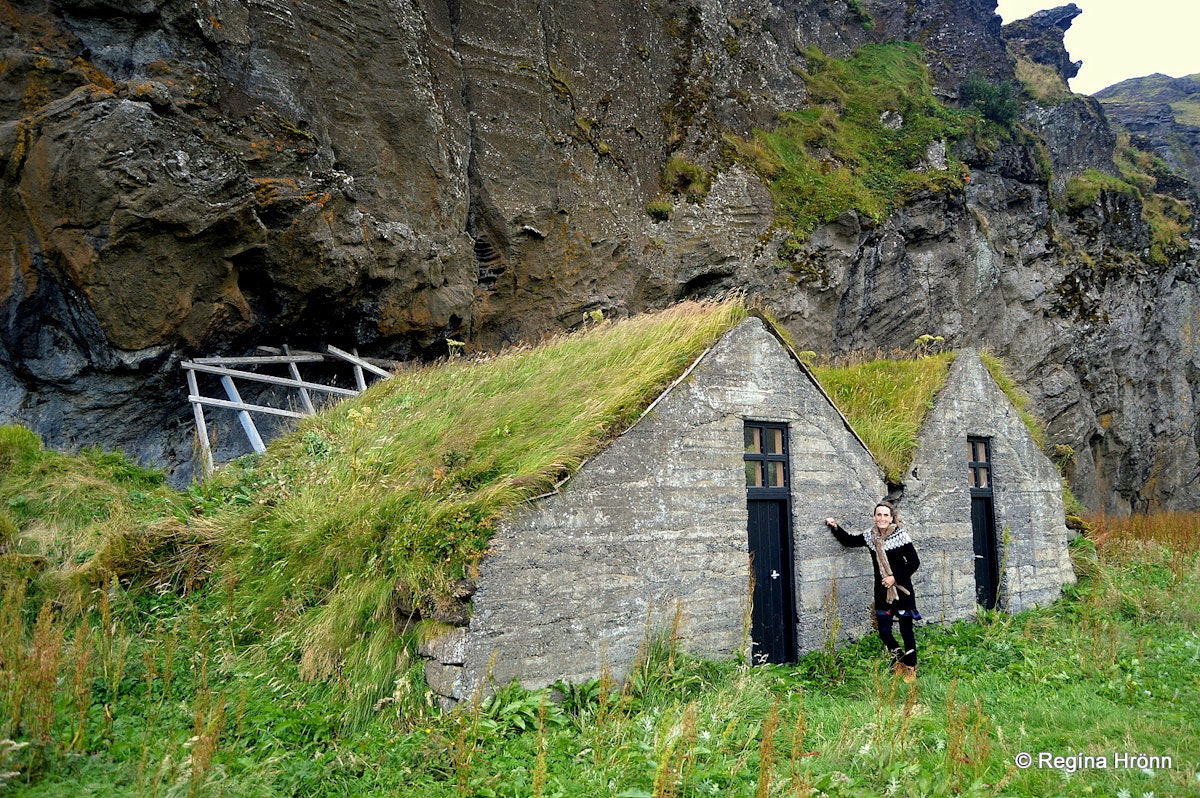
(885, 402)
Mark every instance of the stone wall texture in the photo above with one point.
(1027, 498)
(655, 526)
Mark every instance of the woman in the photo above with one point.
(895, 560)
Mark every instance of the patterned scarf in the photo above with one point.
(885, 568)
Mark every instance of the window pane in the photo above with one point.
(971, 477)
(775, 474)
(753, 439)
(754, 476)
(983, 478)
(774, 441)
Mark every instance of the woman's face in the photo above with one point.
(883, 516)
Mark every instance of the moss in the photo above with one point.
(685, 179)
(837, 154)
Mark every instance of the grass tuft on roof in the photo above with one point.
(1020, 400)
(885, 402)
(379, 505)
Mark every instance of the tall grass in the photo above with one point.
(886, 401)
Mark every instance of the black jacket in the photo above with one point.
(902, 557)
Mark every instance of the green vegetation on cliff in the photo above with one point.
(860, 143)
(1167, 217)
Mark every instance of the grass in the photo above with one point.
(1167, 217)
(1042, 82)
(157, 643)
(1019, 399)
(886, 401)
(151, 695)
(837, 154)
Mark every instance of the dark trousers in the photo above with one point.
(908, 654)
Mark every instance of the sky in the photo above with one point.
(1119, 39)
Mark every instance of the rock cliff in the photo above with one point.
(184, 178)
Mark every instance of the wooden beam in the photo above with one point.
(206, 458)
(251, 431)
(229, 405)
(299, 357)
(358, 361)
(271, 379)
(294, 370)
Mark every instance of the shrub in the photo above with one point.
(660, 210)
(994, 101)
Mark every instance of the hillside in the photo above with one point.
(155, 682)
(202, 179)
(1163, 114)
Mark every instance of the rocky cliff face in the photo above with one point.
(196, 178)
(1163, 116)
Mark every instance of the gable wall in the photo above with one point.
(1028, 501)
(657, 521)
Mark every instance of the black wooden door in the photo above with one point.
(983, 525)
(773, 615)
(771, 627)
(983, 522)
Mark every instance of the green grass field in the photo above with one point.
(152, 695)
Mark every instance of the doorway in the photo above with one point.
(983, 522)
(768, 509)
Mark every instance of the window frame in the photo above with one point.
(986, 465)
(763, 458)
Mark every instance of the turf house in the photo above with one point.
(697, 509)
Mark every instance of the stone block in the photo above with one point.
(449, 648)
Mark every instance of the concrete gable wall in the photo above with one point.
(657, 522)
(1028, 501)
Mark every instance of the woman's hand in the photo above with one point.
(888, 581)
(829, 522)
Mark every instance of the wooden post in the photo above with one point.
(206, 458)
(359, 378)
(295, 372)
(256, 440)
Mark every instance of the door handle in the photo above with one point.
(774, 574)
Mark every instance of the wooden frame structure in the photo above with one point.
(229, 369)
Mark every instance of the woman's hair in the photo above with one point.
(890, 506)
